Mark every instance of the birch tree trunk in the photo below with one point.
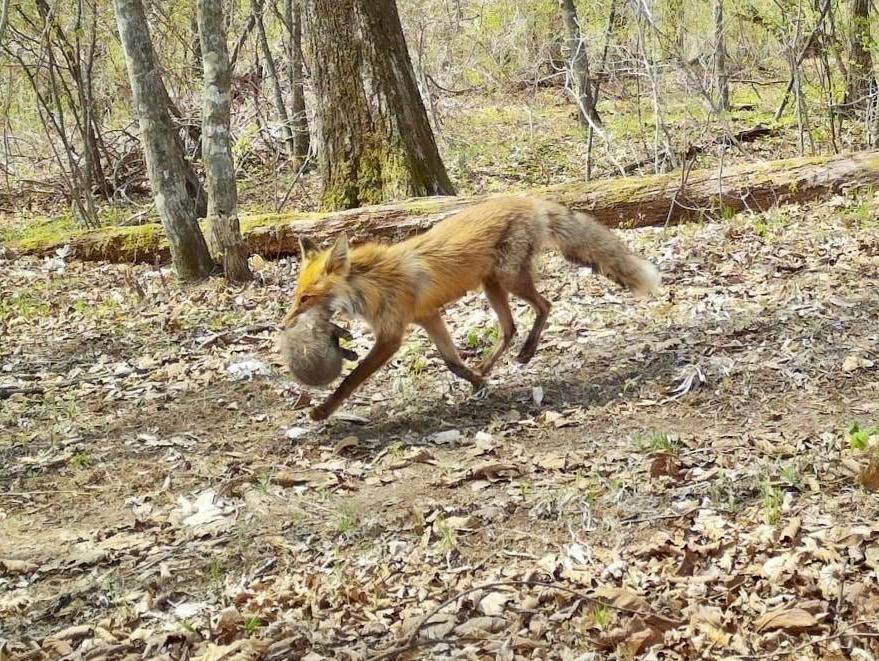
(374, 138)
(578, 66)
(278, 95)
(301, 137)
(224, 233)
(721, 76)
(165, 165)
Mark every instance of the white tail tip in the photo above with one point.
(649, 278)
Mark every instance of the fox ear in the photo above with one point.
(306, 247)
(337, 261)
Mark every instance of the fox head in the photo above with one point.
(322, 276)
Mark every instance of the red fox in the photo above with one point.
(490, 245)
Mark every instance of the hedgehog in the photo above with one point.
(310, 348)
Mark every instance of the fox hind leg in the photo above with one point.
(523, 287)
(499, 301)
(439, 335)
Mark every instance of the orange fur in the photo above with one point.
(490, 245)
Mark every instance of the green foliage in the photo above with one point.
(447, 538)
(792, 475)
(252, 625)
(263, 481)
(347, 519)
(216, 573)
(481, 339)
(22, 305)
(658, 442)
(772, 498)
(81, 460)
(859, 437)
(414, 359)
(601, 616)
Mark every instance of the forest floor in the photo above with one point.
(686, 475)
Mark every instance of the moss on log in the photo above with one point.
(624, 202)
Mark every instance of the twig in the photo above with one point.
(802, 56)
(662, 517)
(296, 179)
(24, 494)
(233, 58)
(816, 641)
(410, 640)
(8, 391)
(256, 328)
(686, 166)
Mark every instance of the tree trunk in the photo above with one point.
(675, 26)
(375, 141)
(224, 234)
(278, 95)
(861, 81)
(301, 137)
(721, 76)
(195, 46)
(578, 66)
(165, 165)
(4, 18)
(625, 202)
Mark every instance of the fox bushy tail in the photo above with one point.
(584, 241)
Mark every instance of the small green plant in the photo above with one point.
(772, 497)
(396, 449)
(767, 225)
(723, 492)
(481, 339)
(346, 519)
(252, 625)
(216, 573)
(447, 538)
(792, 475)
(263, 480)
(222, 321)
(415, 360)
(761, 229)
(81, 460)
(658, 442)
(859, 211)
(22, 305)
(81, 306)
(862, 213)
(859, 437)
(601, 616)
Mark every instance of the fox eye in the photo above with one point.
(305, 298)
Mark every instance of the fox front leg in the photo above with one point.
(379, 354)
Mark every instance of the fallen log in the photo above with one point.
(625, 202)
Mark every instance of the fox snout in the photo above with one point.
(300, 305)
(289, 318)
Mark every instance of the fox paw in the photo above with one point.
(320, 412)
(525, 355)
(481, 392)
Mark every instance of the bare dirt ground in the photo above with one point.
(682, 477)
